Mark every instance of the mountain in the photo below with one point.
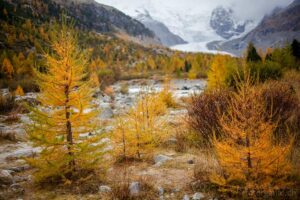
(161, 30)
(87, 14)
(226, 24)
(276, 29)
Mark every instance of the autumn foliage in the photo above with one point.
(66, 112)
(250, 159)
(141, 129)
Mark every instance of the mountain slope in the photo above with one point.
(88, 15)
(282, 26)
(161, 30)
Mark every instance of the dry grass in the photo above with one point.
(120, 183)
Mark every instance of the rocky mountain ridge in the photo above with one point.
(161, 30)
(276, 29)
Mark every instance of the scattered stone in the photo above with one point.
(134, 188)
(160, 191)
(18, 179)
(198, 196)
(25, 119)
(186, 197)
(13, 134)
(17, 188)
(6, 177)
(160, 159)
(21, 153)
(107, 113)
(106, 99)
(128, 101)
(185, 88)
(191, 161)
(105, 189)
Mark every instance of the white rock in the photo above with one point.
(104, 188)
(107, 113)
(21, 153)
(134, 188)
(6, 177)
(14, 134)
(198, 196)
(186, 197)
(160, 159)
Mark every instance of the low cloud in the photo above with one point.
(245, 9)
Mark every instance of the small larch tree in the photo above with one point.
(141, 128)
(7, 68)
(19, 91)
(66, 112)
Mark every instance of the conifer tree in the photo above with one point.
(296, 49)
(221, 68)
(141, 129)
(66, 112)
(252, 55)
(248, 157)
(7, 68)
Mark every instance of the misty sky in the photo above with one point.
(254, 9)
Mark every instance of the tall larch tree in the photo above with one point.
(250, 161)
(66, 112)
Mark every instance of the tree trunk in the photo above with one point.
(249, 161)
(69, 130)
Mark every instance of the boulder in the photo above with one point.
(135, 188)
(191, 161)
(17, 188)
(6, 177)
(185, 88)
(161, 159)
(14, 134)
(186, 197)
(198, 196)
(107, 113)
(23, 153)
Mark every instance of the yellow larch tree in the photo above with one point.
(151, 63)
(19, 91)
(66, 112)
(216, 74)
(7, 68)
(221, 66)
(141, 128)
(250, 160)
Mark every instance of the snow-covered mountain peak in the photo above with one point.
(190, 19)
